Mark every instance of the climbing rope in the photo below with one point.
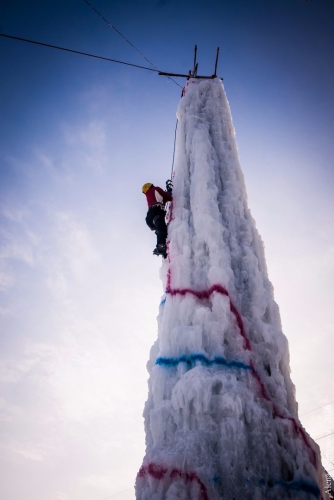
(171, 174)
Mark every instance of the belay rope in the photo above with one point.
(171, 174)
(169, 182)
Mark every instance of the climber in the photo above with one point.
(155, 219)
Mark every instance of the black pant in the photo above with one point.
(155, 220)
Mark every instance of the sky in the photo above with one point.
(79, 287)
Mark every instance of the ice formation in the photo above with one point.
(221, 416)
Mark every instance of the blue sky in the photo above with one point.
(79, 287)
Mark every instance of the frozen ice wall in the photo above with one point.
(221, 416)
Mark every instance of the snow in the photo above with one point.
(221, 416)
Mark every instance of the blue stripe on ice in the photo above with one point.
(163, 301)
(191, 359)
(301, 486)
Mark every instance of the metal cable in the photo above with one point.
(124, 38)
(318, 439)
(78, 52)
(327, 404)
(115, 494)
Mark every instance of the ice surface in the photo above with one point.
(221, 416)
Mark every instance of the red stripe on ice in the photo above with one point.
(154, 470)
(191, 476)
(159, 472)
(298, 428)
(205, 294)
(263, 388)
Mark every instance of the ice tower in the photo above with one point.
(221, 416)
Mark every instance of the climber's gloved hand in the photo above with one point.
(169, 187)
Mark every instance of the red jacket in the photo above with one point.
(156, 195)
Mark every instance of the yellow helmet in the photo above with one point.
(146, 187)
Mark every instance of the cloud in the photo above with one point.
(93, 135)
(12, 371)
(18, 244)
(25, 449)
(70, 254)
(6, 279)
(29, 451)
(44, 160)
(75, 243)
(16, 214)
(89, 142)
(61, 496)
(54, 242)
(104, 481)
(81, 375)
(95, 98)
(16, 250)
(9, 412)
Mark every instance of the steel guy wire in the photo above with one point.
(327, 404)
(78, 52)
(112, 496)
(124, 38)
(318, 439)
